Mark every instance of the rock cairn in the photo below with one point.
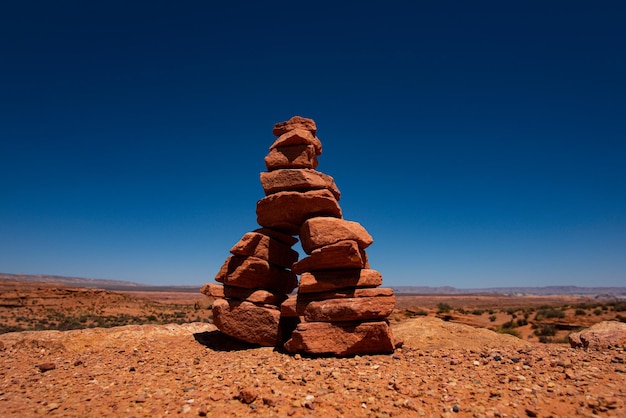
(339, 308)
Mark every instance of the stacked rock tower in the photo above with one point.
(339, 308)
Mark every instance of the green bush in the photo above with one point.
(443, 307)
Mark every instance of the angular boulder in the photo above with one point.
(301, 180)
(296, 122)
(599, 336)
(254, 244)
(342, 254)
(341, 338)
(293, 156)
(288, 307)
(278, 235)
(239, 293)
(287, 211)
(350, 309)
(298, 137)
(319, 281)
(320, 231)
(256, 273)
(248, 322)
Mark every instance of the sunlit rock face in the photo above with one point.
(339, 308)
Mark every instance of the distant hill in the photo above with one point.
(94, 283)
(612, 292)
(599, 292)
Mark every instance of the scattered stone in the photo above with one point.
(45, 367)
(247, 395)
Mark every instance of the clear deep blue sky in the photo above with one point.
(480, 143)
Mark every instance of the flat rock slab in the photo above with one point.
(298, 137)
(347, 309)
(287, 211)
(323, 280)
(293, 156)
(300, 180)
(248, 322)
(240, 293)
(255, 244)
(342, 254)
(321, 231)
(341, 339)
(601, 335)
(256, 273)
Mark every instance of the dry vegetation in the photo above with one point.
(47, 306)
(546, 319)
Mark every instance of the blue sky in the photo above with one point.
(480, 143)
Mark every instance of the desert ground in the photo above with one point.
(157, 354)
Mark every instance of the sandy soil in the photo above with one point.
(443, 370)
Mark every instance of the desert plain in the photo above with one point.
(73, 351)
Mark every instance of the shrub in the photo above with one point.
(505, 330)
(546, 313)
(492, 318)
(580, 312)
(443, 308)
(545, 330)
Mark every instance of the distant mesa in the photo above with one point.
(339, 308)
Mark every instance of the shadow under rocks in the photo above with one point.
(218, 341)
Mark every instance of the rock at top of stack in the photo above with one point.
(294, 190)
(296, 122)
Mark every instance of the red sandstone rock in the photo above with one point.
(262, 246)
(319, 281)
(600, 336)
(288, 307)
(299, 180)
(341, 339)
(213, 290)
(346, 309)
(296, 122)
(320, 231)
(342, 254)
(298, 137)
(345, 293)
(278, 235)
(288, 210)
(247, 322)
(251, 295)
(293, 156)
(256, 273)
